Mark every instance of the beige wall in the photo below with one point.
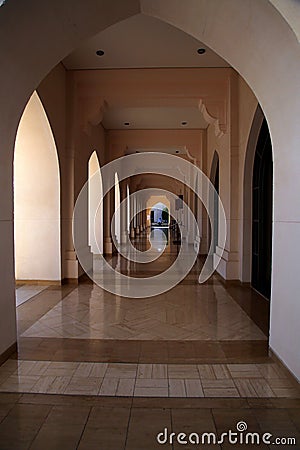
(95, 206)
(36, 197)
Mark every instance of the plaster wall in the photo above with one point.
(36, 197)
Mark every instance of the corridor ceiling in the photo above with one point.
(145, 42)
(139, 42)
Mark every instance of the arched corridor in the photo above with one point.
(172, 271)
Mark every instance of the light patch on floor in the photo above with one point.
(26, 292)
(147, 380)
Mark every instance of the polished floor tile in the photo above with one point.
(27, 291)
(162, 380)
(35, 421)
(98, 371)
(189, 312)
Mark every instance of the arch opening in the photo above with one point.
(159, 215)
(117, 210)
(262, 211)
(213, 230)
(36, 198)
(95, 202)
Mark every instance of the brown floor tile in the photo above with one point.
(144, 426)
(21, 425)
(62, 428)
(106, 428)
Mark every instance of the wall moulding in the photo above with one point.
(220, 127)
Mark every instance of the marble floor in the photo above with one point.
(147, 380)
(60, 422)
(25, 292)
(187, 312)
(97, 371)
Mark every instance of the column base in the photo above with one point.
(228, 266)
(71, 267)
(107, 246)
(124, 237)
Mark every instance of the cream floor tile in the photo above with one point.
(151, 383)
(125, 387)
(25, 368)
(221, 372)
(39, 368)
(183, 371)
(83, 370)
(262, 388)
(244, 371)
(144, 371)
(109, 386)
(177, 388)
(43, 384)
(217, 384)
(151, 388)
(61, 369)
(193, 388)
(219, 388)
(245, 388)
(98, 370)
(159, 371)
(121, 371)
(59, 384)
(206, 372)
(222, 392)
(83, 386)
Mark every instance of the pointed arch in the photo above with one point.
(95, 193)
(117, 209)
(36, 197)
(247, 194)
(215, 179)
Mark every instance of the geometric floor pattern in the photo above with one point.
(187, 312)
(147, 380)
(27, 291)
(97, 371)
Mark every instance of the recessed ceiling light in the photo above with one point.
(126, 124)
(99, 52)
(183, 123)
(201, 51)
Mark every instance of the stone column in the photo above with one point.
(132, 229)
(137, 219)
(123, 212)
(107, 241)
